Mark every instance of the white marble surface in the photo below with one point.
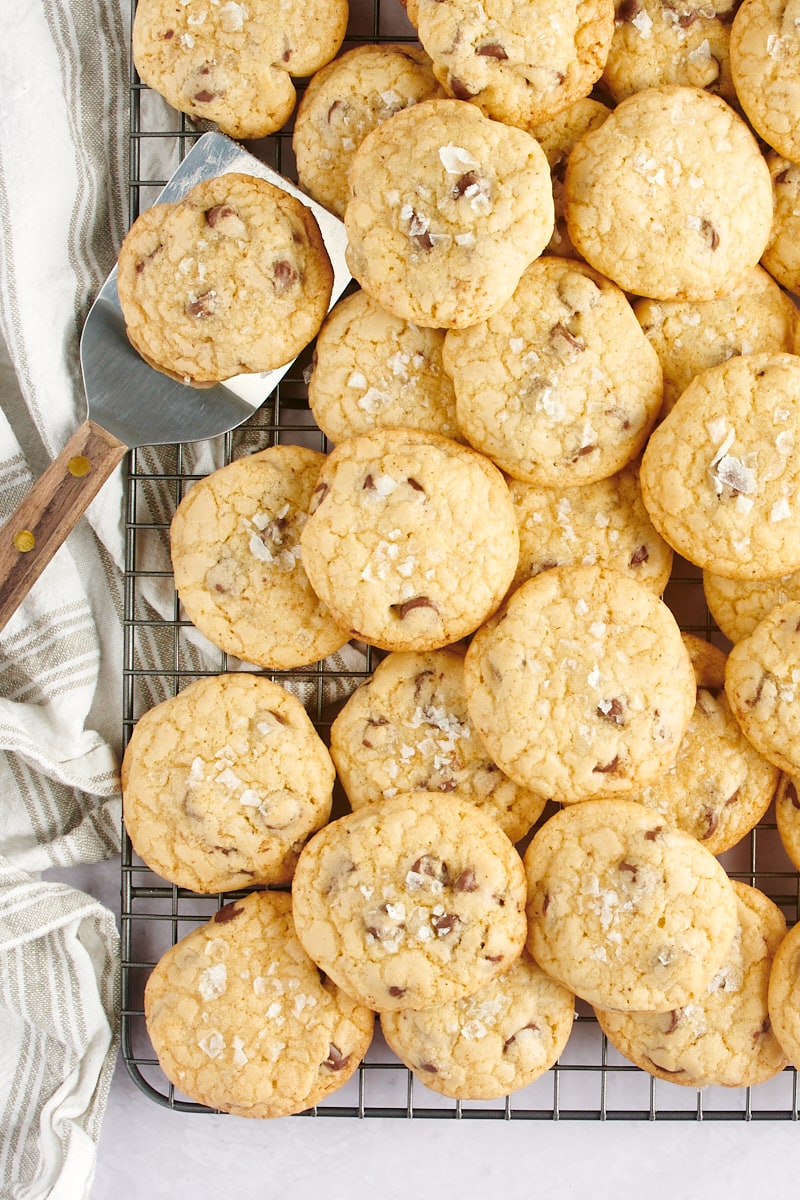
(147, 1152)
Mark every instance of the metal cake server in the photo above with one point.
(130, 403)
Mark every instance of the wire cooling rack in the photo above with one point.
(163, 654)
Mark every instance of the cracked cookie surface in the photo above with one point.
(762, 682)
(233, 278)
(719, 786)
(670, 197)
(446, 209)
(723, 1037)
(224, 783)
(720, 475)
(233, 63)
(581, 686)
(241, 1021)
(491, 1043)
(626, 911)
(407, 729)
(235, 548)
(737, 605)
(411, 902)
(765, 51)
(782, 254)
(560, 387)
(412, 539)
(604, 524)
(519, 61)
(345, 101)
(372, 370)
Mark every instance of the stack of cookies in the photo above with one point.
(571, 355)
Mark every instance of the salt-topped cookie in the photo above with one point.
(407, 728)
(520, 62)
(782, 254)
(649, 206)
(233, 278)
(492, 1043)
(446, 210)
(412, 540)
(224, 783)
(720, 475)
(581, 686)
(626, 911)
(234, 63)
(737, 605)
(241, 1020)
(415, 901)
(765, 62)
(560, 387)
(724, 1036)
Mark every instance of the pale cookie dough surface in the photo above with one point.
(604, 524)
(557, 138)
(519, 61)
(240, 1019)
(413, 541)
(787, 816)
(658, 43)
(762, 682)
(784, 995)
(719, 786)
(720, 475)
(446, 210)
(491, 1043)
(737, 605)
(670, 197)
(232, 63)
(224, 783)
(233, 278)
(411, 902)
(235, 547)
(560, 387)
(407, 729)
(765, 61)
(690, 336)
(782, 255)
(345, 101)
(723, 1037)
(581, 687)
(372, 370)
(626, 911)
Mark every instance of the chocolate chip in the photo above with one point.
(630, 868)
(664, 1070)
(423, 241)
(317, 496)
(422, 677)
(468, 180)
(763, 1028)
(413, 483)
(675, 1017)
(639, 556)
(492, 50)
(509, 1041)
(428, 1066)
(560, 330)
(170, 33)
(336, 104)
(285, 275)
(612, 711)
(757, 694)
(407, 606)
(397, 991)
(611, 768)
(445, 924)
(433, 867)
(712, 821)
(460, 90)
(279, 717)
(687, 19)
(584, 450)
(466, 881)
(628, 9)
(336, 1061)
(652, 834)
(732, 798)
(205, 97)
(204, 306)
(545, 903)
(369, 483)
(218, 213)
(710, 232)
(228, 912)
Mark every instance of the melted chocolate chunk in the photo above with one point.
(433, 867)
(510, 1041)
(218, 213)
(407, 606)
(204, 306)
(560, 330)
(228, 912)
(397, 991)
(492, 50)
(611, 768)
(445, 923)
(460, 90)
(710, 232)
(466, 881)
(285, 275)
(336, 1061)
(628, 9)
(639, 556)
(204, 96)
(612, 711)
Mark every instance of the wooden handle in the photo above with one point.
(31, 536)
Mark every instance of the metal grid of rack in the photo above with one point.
(163, 654)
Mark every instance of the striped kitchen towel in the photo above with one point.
(63, 194)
